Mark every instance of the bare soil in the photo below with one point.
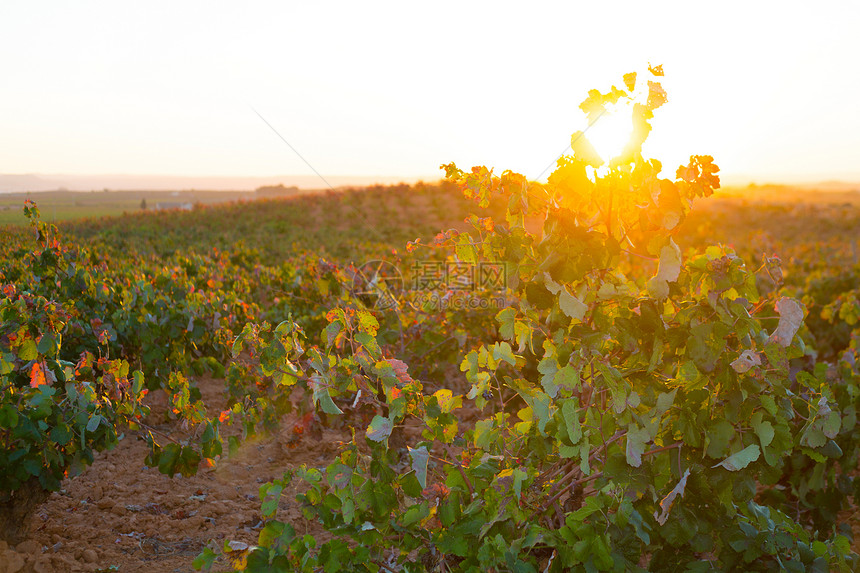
(122, 516)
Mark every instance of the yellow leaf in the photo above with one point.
(236, 553)
(630, 81)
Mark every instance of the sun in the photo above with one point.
(611, 132)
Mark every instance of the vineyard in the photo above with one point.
(615, 370)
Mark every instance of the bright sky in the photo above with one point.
(367, 88)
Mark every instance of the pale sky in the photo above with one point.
(368, 88)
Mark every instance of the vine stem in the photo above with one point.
(580, 481)
(663, 449)
(617, 436)
(152, 430)
(383, 566)
(555, 469)
(459, 467)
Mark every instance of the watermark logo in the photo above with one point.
(379, 284)
(431, 286)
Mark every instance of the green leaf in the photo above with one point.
(506, 319)
(819, 548)
(593, 504)
(567, 377)
(276, 532)
(486, 433)
(465, 250)
(449, 510)
(28, 350)
(7, 363)
(47, 345)
(379, 429)
(503, 351)
(813, 437)
(769, 404)
(205, 560)
(763, 429)
(540, 406)
(137, 384)
(689, 376)
(370, 344)
(832, 450)
(665, 401)
(549, 368)
(571, 306)
(93, 423)
(820, 458)
(519, 476)
(571, 420)
(271, 495)
(567, 452)
(168, 459)
(188, 461)
(832, 424)
(707, 343)
(239, 343)
(339, 475)
(842, 544)
(8, 416)
(322, 396)
(718, 437)
(61, 434)
(410, 484)
(741, 459)
(420, 458)
(330, 333)
(415, 514)
(584, 453)
(667, 271)
(636, 440)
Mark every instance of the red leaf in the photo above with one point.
(37, 376)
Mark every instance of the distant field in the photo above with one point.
(68, 205)
(71, 205)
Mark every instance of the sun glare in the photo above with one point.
(611, 132)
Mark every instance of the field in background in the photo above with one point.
(70, 205)
(67, 205)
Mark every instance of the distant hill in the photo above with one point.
(21, 183)
(34, 182)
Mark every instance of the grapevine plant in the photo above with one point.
(72, 324)
(56, 408)
(637, 409)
